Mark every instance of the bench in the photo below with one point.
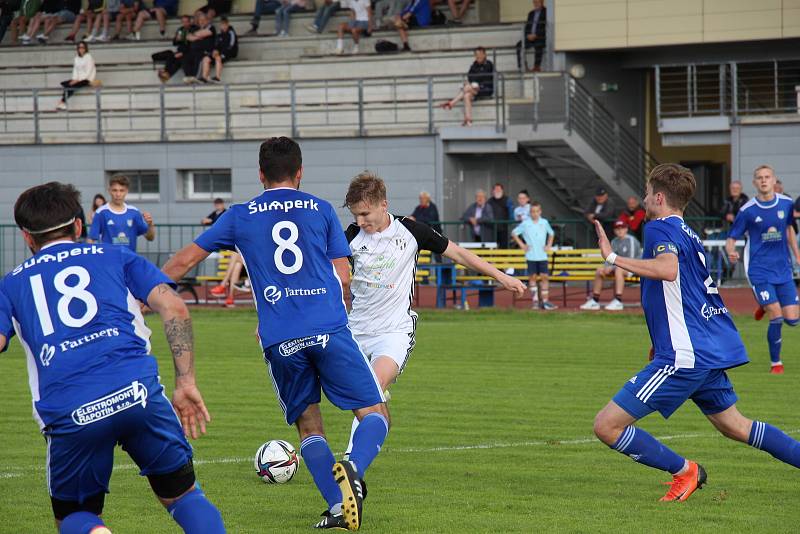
(223, 261)
(577, 265)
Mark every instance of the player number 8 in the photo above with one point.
(287, 245)
(68, 293)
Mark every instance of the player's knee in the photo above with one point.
(170, 487)
(791, 322)
(605, 431)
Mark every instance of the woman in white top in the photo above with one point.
(83, 73)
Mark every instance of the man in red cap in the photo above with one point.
(624, 245)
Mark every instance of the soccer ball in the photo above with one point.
(276, 462)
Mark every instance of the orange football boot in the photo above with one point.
(682, 486)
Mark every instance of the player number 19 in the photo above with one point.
(68, 293)
(287, 245)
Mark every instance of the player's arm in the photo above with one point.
(551, 236)
(791, 235)
(342, 267)
(730, 249)
(466, 258)
(520, 243)
(150, 232)
(186, 398)
(183, 261)
(3, 342)
(662, 267)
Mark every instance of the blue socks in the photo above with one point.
(647, 450)
(196, 515)
(367, 440)
(774, 441)
(774, 339)
(80, 523)
(319, 459)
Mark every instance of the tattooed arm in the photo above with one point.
(186, 398)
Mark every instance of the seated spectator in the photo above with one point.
(427, 212)
(216, 7)
(456, 12)
(633, 215)
(324, 13)
(27, 11)
(226, 46)
(360, 22)
(623, 245)
(68, 13)
(219, 209)
(734, 202)
(8, 8)
(386, 10)
(127, 12)
(83, 73)
(93, 9)
(538, 236)
(417, 14)
(48, 9)
(535, 36)
(173, 60)
(160, 11)
(479, 84)
(480, 218)
(283, 15)
(230, 283)
(201, 43)
(600, 208)
(262, 7)
(523, 210)
(110, 12)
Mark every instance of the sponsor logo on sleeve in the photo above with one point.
(287, 348)
(111, 404)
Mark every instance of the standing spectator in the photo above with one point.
(160, 11)
(118, 223)
(538, 236)
(174, 59)
(226, 46)
(262, 7)
(97, 202)
(386, 10)
(27, 11)
(48, 9)
(219, 209)
(283, 15)
(360, 21)
(479, 84)
(427, 212)
(201, 42)
(734, 202)
(623, 245)
(68, 13)
(633, 216)
(456, 12)
(480, 218)
(523, 211)
(417, 14)
(535, 35)
(324, 13)
(83, 73)
(600, 208)
(93, 9)
(502, 208)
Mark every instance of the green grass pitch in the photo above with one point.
(492, 433)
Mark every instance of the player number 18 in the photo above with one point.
(68, 293)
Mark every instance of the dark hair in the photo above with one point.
(675, 182)
(94, 201)
(366, 187)
(53, 207)
(524, 192)
(223, 19)
(500, 186)
(219, 201)
(279, 159)
(480, 49)
(536, 203)
(85, 44)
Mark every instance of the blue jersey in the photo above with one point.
(287, 240)
(73, 307)
(690, 327)
(767, 259)
(117, 228)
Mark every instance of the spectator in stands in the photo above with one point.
(633, 216)
(219, 209)
(262, 7)
(201, 43)
(216, 7)
(600, 208)
(68, 13)
(118, 223)
(734, 202)
(48, 9)
(480, 218)
(426, 212)
(160, 11)
(283, 15)
(385, 12)
(360, 22)
(538, 236)
(98, 201)
(457, 12)
(7, 10)
(111, 11)
(623, 245)
(535, 36)
(83, 74)
(523, 210)
(502, 209)
(324, 14)
(417, 14)
(231, 282)
(27, 11)
(479, 84)
(226, 46)
(127, 12)
(93, 9)
(173, 59)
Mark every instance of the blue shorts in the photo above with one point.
(538, 267)
(664, 389)
(785, 293)
(362, 25)
(80, 445)
(333, 362)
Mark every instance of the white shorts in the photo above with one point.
(395, 345)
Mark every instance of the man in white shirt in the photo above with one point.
(360, 22)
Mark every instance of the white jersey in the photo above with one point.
(384, 267)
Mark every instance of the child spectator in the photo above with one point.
(538, 236)
(93, 9)
(48, 9)
(523, 211)
(226, 46)
(68, 13)
(27, 11)
(174, 59)
(283, 15)
(360, 21)
(160, 11)
(324, 13)
(626, 246)
(83, 73)
(479, 84)
(416, 15)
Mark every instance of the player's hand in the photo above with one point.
(191, 409)
(147, 218)
(733, 256)
(548, 249)
(512, 284)
(602, 240)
